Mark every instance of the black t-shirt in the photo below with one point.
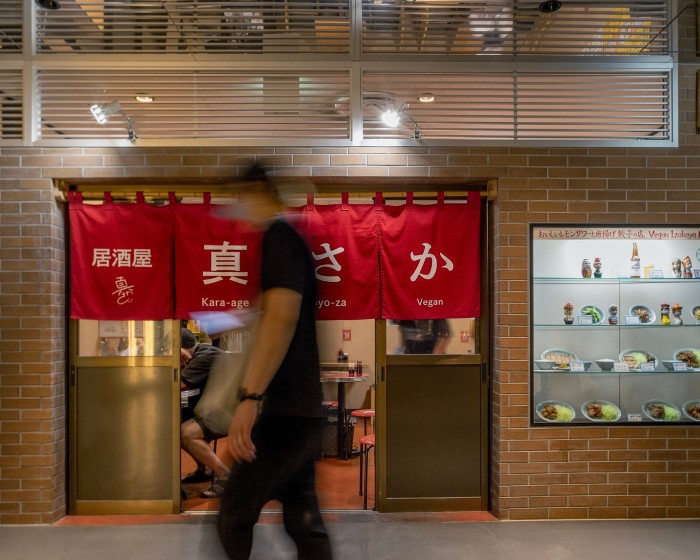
(295, 389)
(195, 374)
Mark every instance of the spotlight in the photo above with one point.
(549, 6)
(391, 109)
(49, 4)
(390, 117)
(103, 111)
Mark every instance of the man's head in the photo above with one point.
(259, 198)
(187, 339)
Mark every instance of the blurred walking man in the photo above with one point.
(275, 433)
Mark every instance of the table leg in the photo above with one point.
(342, 447)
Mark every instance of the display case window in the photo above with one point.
(125, 338)
(615, 324)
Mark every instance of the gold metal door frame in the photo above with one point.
(167, 505)
(480, 358)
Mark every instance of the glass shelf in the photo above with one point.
(618, 326)
(549, 372)
(593, 281)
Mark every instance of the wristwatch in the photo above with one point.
(244, 395)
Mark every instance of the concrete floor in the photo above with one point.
(366, 536)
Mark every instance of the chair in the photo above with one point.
(363, 413)
(366, 444)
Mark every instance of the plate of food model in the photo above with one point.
(595, 312)
(561, 357)
(646, 315)
(692, 409)
(635, 357)
(555, 411)
(691, 357)
(660, 410)
(598, 410)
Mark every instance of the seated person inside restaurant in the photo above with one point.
(425, 336)
(196, 361)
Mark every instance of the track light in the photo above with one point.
(392, 109)
(549, 6)
(390, 118)
(103, 111)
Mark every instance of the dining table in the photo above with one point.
(342, 378)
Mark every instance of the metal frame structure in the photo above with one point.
(404, 48)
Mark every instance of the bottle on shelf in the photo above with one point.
(341, 355)
(635, 266)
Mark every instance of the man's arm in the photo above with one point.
(280, 308)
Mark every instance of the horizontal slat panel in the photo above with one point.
(195, 26)
(455, 27)
(10, 26)
(574, 106)
(191, 105)
(468, 106)
(522, 105)
(10, 104)
(443, 27)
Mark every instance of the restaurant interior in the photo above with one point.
(339, 485)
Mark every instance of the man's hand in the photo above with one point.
(185, 357)
(239, 441)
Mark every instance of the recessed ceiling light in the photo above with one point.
(549, 6)
(142, 98)
(426, 97)
(49, 4)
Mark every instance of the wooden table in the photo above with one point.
(341, 378)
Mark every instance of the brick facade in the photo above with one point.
(602, 472)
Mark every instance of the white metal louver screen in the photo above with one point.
(195, 26)
(196, 104)
(10, 104)
(572, 106)
(521, 105)
(455, 27)
(444, 27)
(10, 26)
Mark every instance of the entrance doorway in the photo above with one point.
(422, 403)
(338, 471)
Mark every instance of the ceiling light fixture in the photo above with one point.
(143, 98)
(549, 6)
(426, 97)
(103, 111)
(49, 4)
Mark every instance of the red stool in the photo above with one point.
(363, 413)
(366, 444)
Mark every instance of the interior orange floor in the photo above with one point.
(337, 482)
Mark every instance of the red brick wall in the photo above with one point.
(537, 473)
